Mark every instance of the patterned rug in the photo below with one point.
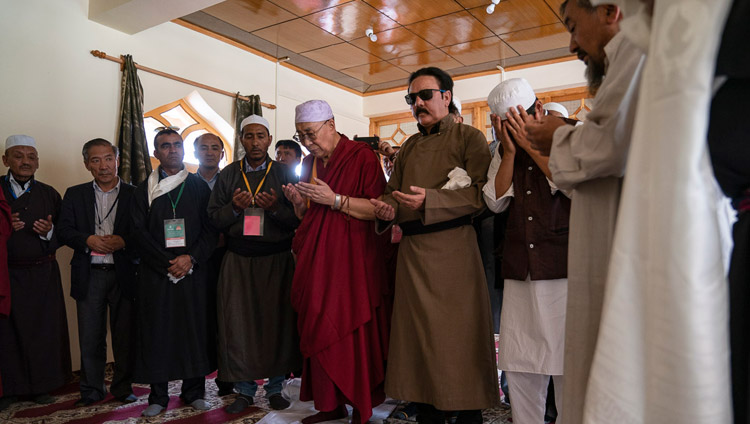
(110, 410)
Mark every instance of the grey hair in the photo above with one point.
(98, 142)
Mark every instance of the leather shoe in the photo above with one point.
(84, 402)
(44, 399)
(277, 402)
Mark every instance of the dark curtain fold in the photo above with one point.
(243, 109)
(135, 163)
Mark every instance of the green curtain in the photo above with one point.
(243, 109)
(135, 163)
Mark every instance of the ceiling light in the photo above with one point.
(491, 7)
(371, 34)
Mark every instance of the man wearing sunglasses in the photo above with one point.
(441, 325)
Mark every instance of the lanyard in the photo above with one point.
(247, 184)
(174, 204)
(101, 220)
(13, 192)
(313, 177)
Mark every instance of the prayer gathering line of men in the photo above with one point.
(338, 311)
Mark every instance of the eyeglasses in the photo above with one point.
(300, 138)
(425, 95)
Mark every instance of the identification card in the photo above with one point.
(97, 253)
(253, 222)
(396, 234)
(174, 233)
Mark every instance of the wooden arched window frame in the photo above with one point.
(169, 115)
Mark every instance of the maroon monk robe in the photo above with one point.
(341, 289)
(5, 230)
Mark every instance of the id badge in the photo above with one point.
(396, 234)
(93, 253)
(174, 233)
(253, 222)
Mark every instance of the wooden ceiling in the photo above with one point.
(327, 37)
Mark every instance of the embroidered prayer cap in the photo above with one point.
(509, 94)
(457, 102)
(313, 111)
(255, 119)
(19, 140)
(557, 107)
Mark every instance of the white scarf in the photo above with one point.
(158, 188)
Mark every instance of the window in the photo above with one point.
(193, 117)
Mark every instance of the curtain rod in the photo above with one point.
(102, 55)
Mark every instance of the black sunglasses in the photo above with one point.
(425, 95)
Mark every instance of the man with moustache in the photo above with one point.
(257, 325)
(589, 162)
(289, 153)
(95, 223)
(174, 239)
(441, 298)
(35, 353)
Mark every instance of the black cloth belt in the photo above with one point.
(103, 267)
(30, 263)
(413, 228)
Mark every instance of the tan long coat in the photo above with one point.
(441, 346)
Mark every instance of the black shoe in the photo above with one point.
(241, 402)
(225, 388)
(84, 402)
(6, 401)
(127, 399)
(278, 402)
(44, 399)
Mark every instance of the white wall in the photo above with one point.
(54, 90)
(555, 76)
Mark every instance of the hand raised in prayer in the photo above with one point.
(383, 211)
(540, 131)
(412, 201)
(268, 201)
(181, 265)
(241, 200)
(319, 192)
(501, 131)
(292, 194)
(516, 124)
(16, 222)
(43, 226)
(98, 244)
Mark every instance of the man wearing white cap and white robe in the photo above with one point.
(589, 162)
(34, 346)
(257, 325)
(532, 327)
(175, 240)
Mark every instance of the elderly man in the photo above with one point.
(257, 325)
(532, 327)
(441, 352)
(174, 239)
(209, 150)
(95, 223)
(341, 289)
(589, 161)
(35, 353)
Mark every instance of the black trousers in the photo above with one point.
(428, 414)
(739, 318)
(103, 292)
(192, 389)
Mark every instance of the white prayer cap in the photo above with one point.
(457, 102)
(19, 140)
(312, 111)
(255, 119)
(509, 94)
(557, 107)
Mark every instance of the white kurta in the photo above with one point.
(532, 324)
(589, 160)
(662, 353)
